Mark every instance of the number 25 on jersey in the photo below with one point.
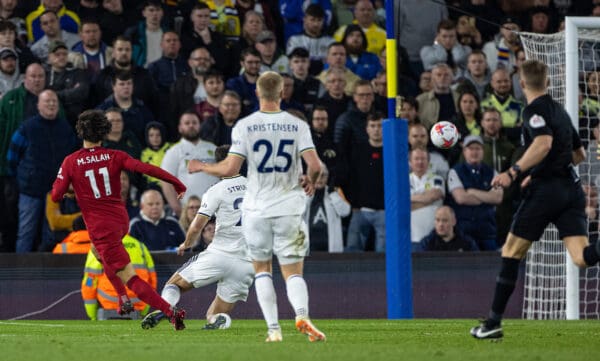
(282, 153)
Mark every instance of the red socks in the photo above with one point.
(147, 294)
(117, 284)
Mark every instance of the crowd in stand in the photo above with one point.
(174, 76)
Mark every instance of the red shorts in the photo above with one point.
(111, 251)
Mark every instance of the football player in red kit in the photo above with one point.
(94, 172)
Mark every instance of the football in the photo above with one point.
(444, 135)
(224, 321)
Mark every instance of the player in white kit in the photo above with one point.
(225, 261)
(272, 142)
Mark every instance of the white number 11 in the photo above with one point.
(104, 172)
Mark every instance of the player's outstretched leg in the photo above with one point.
(148, 295)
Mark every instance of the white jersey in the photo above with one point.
(272, 144)
(224, 201)
(176, 160)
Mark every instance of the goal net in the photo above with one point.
(554, 287)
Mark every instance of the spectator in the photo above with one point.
(426, 195)
(200, 35)
(306, 87)
(254, 24)
(498, 153)
(288, 99)
(129, 195)
(245, 83)
(36, 151)
(313, 39)
(406, 84)
(268, 10)
(147, 34)
(323, 215)
(119, 138)
(477, 76)
(224, 18)
(425, 83)
(115, 20)
(52, 32)
(467, 33)
(468, 116)
(440, 103)
(409, 110)
(516, 78)
(166, 70)
(69, 20)
(446, 236)
(70, 84)
(144, 87)
(10, 76)
(446, 49)
(271, 57)
(418, 137)
(156, 148)
(215, 88)
(335, 99)
(501, 52)
(88, 10)
(153, 227)
(323, 139)
(135, 114)
(217, 129)
(364, 17)
(8, 12)
(417, 24)
(361, 62)
(379, 84)
(336, 59)
(188, 90)
(350, 131)
(77, 241)
(95, 53)
(206, 237)
(292, 12)
(501, 99)
(540, 20)
(8, 39)
(60, 217)
(367, 204)
(99, 295)
(176, 158)
(189, 211)
(471, 196)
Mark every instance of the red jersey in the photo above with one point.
(95, 176)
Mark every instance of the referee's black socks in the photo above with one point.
(505, 285)
(591, 254)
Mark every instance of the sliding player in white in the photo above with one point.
(226, 259)
(272, 142)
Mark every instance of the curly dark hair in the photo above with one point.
(93, 126)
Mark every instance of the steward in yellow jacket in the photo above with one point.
(96, 289)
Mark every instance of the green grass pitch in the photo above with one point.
(364, 340)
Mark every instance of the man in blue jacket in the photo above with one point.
(35, 153)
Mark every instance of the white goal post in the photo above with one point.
(552, 281)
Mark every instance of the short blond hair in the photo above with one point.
(270, 86)
(534, 74)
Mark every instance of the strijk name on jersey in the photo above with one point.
(238, 188)
(272, 127)
(93, 159)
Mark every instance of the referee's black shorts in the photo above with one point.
(557, 200)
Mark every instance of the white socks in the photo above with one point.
(297, 293)
(267, 299)
(171, 293)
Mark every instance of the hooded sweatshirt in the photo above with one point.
(154, 155)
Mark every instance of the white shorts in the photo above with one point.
(286, 237)
(233, 275)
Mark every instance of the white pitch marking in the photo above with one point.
(30, 324)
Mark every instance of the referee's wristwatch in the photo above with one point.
(514, 171)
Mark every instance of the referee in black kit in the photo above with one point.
(552, 191)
